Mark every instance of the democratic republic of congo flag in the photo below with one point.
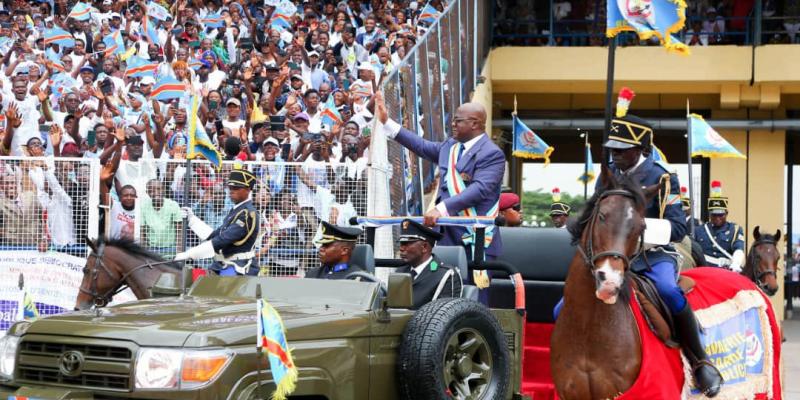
(428, 14)
(168, 88)
(213, 21)
(272, 338)
(114, 43)
(81, 12)
(58, 36)
(139, 68)
(330, 115)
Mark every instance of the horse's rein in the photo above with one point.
(755, 257)
(101, 301)
(590, 259)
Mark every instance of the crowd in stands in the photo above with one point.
(583, 23)
(284, 82)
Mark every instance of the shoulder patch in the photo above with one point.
(666, 167)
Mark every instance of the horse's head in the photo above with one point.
(762, 262)
(609, 231)
(98, 281)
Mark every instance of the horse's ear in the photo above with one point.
(756, 233)
(607, 179)
(650, 192)
(89, 242)
(778, 235)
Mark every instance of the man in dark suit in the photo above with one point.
(432, 279)
(471, 169)
(337, 244)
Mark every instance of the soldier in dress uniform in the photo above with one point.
(336, 248)
(559, 211)
(232, 243)
(722, 241)
(628, 141)
(432, 278)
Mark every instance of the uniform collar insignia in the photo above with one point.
(434, 266)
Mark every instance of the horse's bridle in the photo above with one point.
(103, 300)
(588, 253)
(755, 275)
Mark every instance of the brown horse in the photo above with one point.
(596, 352)
(115, 264)
(762, 261)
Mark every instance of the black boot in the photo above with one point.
(706, 376)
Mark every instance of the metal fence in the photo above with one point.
(422, 93)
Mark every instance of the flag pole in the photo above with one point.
(585, 165)
(259, 353)
(184, 227)
(612, 49)
(689, 163)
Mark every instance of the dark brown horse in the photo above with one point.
(596, 352)
(762, 261)
(115, 264)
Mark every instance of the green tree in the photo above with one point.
(536, 206)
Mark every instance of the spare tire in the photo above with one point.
(453, 349)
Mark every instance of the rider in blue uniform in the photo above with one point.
(722, 241)
(231, 244)
(627, 141)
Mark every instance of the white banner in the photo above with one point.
(51, 280)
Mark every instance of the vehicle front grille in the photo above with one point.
(106, 367)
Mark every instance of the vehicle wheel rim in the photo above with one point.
(467, 365)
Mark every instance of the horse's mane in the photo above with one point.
(576, 226)
(135, 249)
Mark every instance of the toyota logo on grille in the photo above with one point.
(71, 363)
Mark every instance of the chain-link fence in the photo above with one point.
(48, 204)
(291, 198)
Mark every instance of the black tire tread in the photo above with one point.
(419, 368)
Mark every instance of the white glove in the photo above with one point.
(201, 251)
(186, 212)
(37, 178)
(737, 260)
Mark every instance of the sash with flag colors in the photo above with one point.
(648, 18)
(58, 36)
(22, 398)
(330, 115)
(588, 176)
(428, 14)
(528, 144)
(706, 142)
(199, 142)
(81, 12)
(157, 11)
(138, 67)
(114, 44)
(272, 338)
(26, 308)
(213, 21)
(168, 88)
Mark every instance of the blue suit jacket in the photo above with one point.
(483, 164)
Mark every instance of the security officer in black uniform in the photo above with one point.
(629, 143)
(231, 244)
(337, 244)
(722, 241)
(432, 278)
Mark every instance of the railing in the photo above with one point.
(422, 93)
(591, 32)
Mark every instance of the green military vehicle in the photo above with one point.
(350, 340)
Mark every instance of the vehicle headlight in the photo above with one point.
(158, 368)
(8, 355)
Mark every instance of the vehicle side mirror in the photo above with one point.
(400, 295)
(167, 285)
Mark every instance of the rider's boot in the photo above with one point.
(706, 376)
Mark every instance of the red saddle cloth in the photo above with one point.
(720, 292)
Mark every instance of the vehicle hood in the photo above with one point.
(201, 322)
